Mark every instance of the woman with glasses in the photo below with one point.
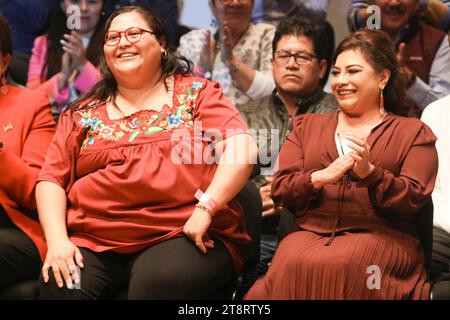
(142, 212)
(26, 129)
(236, 52)
(64, 61)
(355, 179)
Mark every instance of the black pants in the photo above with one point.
(173, 269)
(19, 257)
(440, 263)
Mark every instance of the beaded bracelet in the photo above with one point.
(207, 200)
(201, 206)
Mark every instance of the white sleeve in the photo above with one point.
(423, 94)
(262, 86)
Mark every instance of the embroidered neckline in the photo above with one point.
(146, 121)
(173, 98)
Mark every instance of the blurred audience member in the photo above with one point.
(422, 50)
(274, 11)
(236, 53)
(27, 129)
(435, 12)
(64, 61)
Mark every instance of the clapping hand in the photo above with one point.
(404, 70)
(73, 46)
(205, 61)
(360, 153)
(227, 45)
(334, 172)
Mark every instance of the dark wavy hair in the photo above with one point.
(312, 25)
(378, 49)
(56, 30)
(173, 63)
(5, 37)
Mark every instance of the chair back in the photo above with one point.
(424, 225)
(250, 200)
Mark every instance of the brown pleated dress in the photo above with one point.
(356, 239)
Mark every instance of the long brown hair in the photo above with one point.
(55, 32)
(378, 49)
(173, 63)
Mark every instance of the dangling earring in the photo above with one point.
(382, 111)
(3, 87)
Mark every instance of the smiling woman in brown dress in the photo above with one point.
(354, 180)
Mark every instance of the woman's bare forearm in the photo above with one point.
(51, 205)
(235, 167)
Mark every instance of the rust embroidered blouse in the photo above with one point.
(125, 185)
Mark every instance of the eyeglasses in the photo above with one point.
(133, 34)
(283, 57)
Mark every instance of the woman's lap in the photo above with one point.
(173, 269)
(304, 268)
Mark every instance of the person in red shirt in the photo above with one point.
(26, 129)
(120, 201)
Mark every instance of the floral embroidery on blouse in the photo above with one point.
(143, 122)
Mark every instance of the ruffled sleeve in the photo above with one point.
(60, 161)
(216, 113)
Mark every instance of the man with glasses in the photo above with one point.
(302, 52)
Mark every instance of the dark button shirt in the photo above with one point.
(270, 114)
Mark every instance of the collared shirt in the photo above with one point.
(270, 124)
(271, 115)
(437, 117)
(254, 49)
(422, 93)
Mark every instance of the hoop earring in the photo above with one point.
(3, 87)
(164, 55)
(382, 111)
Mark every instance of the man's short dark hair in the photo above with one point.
(313, 26)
